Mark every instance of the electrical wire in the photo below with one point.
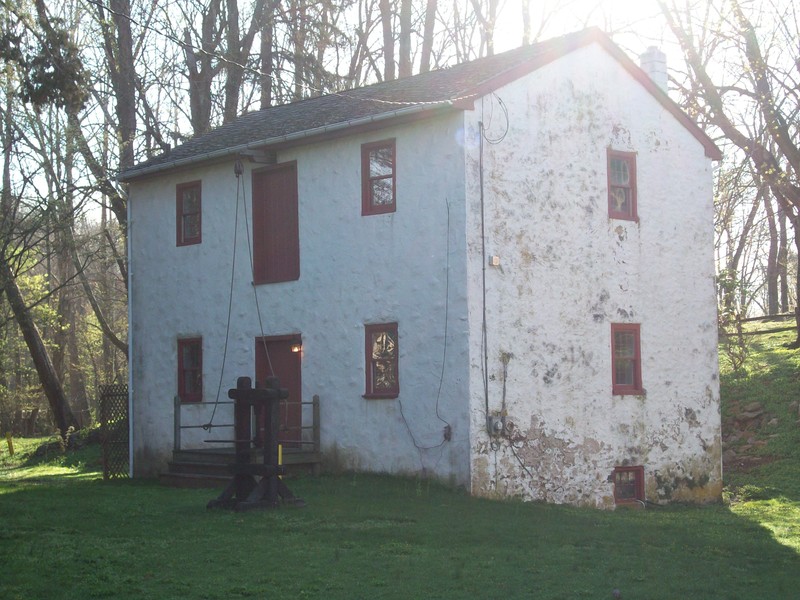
(446, 314)
(484, 332)
(502, 136)
(417, 445)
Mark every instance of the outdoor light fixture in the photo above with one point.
(297, 347)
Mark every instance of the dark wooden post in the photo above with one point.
(245, 492)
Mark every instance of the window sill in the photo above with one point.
(384, 210)
(629, 392)
(380, 396)
(623, 217)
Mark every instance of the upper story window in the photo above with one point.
(622, 185)
(626, 359)
(378, 178)
(381, 352)
(190, 369)
(188, 209)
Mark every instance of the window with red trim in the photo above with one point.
(626, 359)
(189, 216)
(378, 180)
(381, 353)
(628, 485)
(190, 369)
(622, 185)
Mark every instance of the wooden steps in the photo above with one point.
(208, 468)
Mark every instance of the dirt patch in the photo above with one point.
(744, 463)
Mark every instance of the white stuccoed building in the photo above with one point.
(499, 274)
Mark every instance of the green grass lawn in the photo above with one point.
(65, 533)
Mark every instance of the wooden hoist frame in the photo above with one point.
(256, 484)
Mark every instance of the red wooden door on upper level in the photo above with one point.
(276, 235)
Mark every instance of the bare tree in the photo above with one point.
(764, 84)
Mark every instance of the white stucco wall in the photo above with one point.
(567, 272)
(354, 270)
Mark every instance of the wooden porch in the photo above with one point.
(207, 467)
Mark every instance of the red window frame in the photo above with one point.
(627, 480)
(182, 216)
(375, 388)
(369, 179)
(188, 373)
(634, 357)
(615, 188)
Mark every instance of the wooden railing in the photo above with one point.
(180, 426)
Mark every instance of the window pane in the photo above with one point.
(625, 485)
(380, 162)
(620, 200)
(383, 361)
(190, 201)
(624, 372)
(383, 375)
(384, 346)
(191, 226)
(191, 374)
(382, 192)
(191, 382)
(620, 172)
(191, 356)
(624, 344)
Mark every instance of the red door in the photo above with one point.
(275, 358)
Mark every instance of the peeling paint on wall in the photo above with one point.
(569, 272)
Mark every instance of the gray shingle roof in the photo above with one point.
(453, 87)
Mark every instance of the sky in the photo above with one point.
(635, 24)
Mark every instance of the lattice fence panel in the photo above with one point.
(114, 429)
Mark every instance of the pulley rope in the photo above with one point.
(255, 292)
(238, 171)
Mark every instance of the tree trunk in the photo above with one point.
(201, 70)
(237, 55)
(427, 37)
(234, 68)
(41, 359)
(796, 224)
(267, 32)
(299, 43)
(526, 22)
(772, 258)
(123, 81)
(385, 7)
(405, 39)
(77, 381)
(783, 259)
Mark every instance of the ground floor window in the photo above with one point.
(381, 354)
(629, 485)
(190, 369)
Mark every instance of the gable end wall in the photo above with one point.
(566, 272)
